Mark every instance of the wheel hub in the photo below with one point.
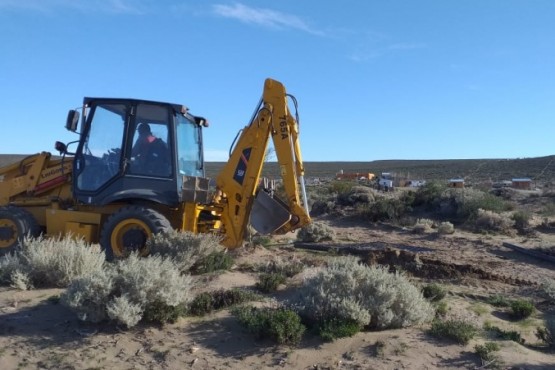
(7, 233)
(134, 240)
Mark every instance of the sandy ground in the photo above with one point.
(38, 333)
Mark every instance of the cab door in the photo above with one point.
(98, 160)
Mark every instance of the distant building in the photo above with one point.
(522, 183)
(415, 183)
(354, 176)
(456, 183)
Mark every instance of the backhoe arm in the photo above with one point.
(239, 195)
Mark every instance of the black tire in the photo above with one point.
(129, 228)
(15, 224)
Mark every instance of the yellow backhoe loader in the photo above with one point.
(138, 169)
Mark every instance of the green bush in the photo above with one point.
(385, 209)
(429, 195)
(129, 290)
(215, 261)
(433, 292)
(521, 309)
(50, 262)
(441, 308)
(336, 328)
(288, 268)
(315, 232)
(269, 282)
(498, 300)
(281, 325)
(455, 329)
(207, 302)
(185, 248)
(504, 334)
(348, 291)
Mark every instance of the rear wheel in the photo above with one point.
(128, 229)
(15, 224)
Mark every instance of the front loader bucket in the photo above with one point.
(268, 214)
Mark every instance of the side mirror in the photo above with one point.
(72, 120)
(61, 147)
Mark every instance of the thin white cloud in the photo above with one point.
(105, 6)
(263, 17)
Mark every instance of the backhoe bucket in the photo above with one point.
(268, 214)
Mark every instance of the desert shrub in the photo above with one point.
(287, 267)
(464, 204)
(51, 262)
(123, 310)
(521, 220)
(458, 330)
(548, 290)
(445, 228)
(422, 226)
(315, 232)
(470, 201)
(433, 292)
(11, 264)
(321, 207)
(335, 328)
(348, 291)
(153, 288)
(487, 355)
(497, 300)
(207, 302)
(341, 187)
(521, 309)
(441, 308)
(547, 333)
(491, 221)
(356, 195)
(269, 282)
(504, 334)
(429, 195)
(280, 324)
(385, 209)
(185, 248)
(215, 261)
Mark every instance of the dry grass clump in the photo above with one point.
(422, 226)
(130, 290)
(315, 232)
(492, 221)
(356, 195)
(185, 248)
(445, 228)
(50, 262)
(349, 292)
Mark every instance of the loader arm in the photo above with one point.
(239, 194)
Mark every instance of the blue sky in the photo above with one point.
(374, 79)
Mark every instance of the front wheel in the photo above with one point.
(128, 230)
(15, 224)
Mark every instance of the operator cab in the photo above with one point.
(135, 149)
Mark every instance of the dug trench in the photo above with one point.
(421, 266)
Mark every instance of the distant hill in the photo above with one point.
(540, 169)
(474, 170)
